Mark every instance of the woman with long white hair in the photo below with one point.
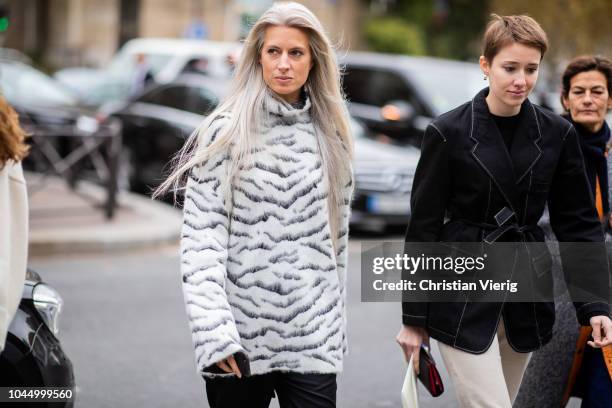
(264, 240)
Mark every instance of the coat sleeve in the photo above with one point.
(430, 192)
(574, 220)
(204, 253)
(13, 242)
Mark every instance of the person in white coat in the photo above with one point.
(13, 216)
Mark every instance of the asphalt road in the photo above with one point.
(125, 330)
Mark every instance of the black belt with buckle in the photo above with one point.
(502, 226)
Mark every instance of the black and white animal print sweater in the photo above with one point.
(262, 278)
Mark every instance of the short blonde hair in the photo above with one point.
(506, 30)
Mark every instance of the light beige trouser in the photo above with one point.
(488, 380)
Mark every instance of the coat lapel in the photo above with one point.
(506, 169)
(526, 149)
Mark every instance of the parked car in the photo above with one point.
(399, 95)
(33, 355)
(41, 102)
(15, 55)
(166, 59)
(156, 124)
(383, 181)
(68, 139)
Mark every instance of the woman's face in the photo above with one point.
(588, 99)
(512, 75)
(286, 61)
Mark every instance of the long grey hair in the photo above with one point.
(243, 108)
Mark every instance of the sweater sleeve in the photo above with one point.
(342, 256)
(204, 252)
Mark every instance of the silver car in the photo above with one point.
(383, 182)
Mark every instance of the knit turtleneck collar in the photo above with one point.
(277, 106)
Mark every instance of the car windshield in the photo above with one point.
(20, 82)
(448, 86)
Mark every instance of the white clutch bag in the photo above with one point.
(410, 398)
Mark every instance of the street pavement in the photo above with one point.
(64, 220)
(125, 329)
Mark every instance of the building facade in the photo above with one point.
(63, 33)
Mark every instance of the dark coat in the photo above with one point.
(464, 178)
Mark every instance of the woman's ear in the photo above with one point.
(565, 102)
(484, 65)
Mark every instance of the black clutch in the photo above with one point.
(428, 373)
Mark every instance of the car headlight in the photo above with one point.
(49, 304)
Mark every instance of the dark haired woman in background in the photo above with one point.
(586, 97)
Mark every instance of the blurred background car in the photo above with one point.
(45, 107)
(15, 55)
(33, 355)
(43, 104)
(165, 58)
(398, 95)
(39, 99)
(383, 182)
(156, 124)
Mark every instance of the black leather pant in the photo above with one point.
(293, 390)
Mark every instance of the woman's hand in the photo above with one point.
(229, 366)
(602, 331)
(410, 339)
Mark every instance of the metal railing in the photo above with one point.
(83, 151)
